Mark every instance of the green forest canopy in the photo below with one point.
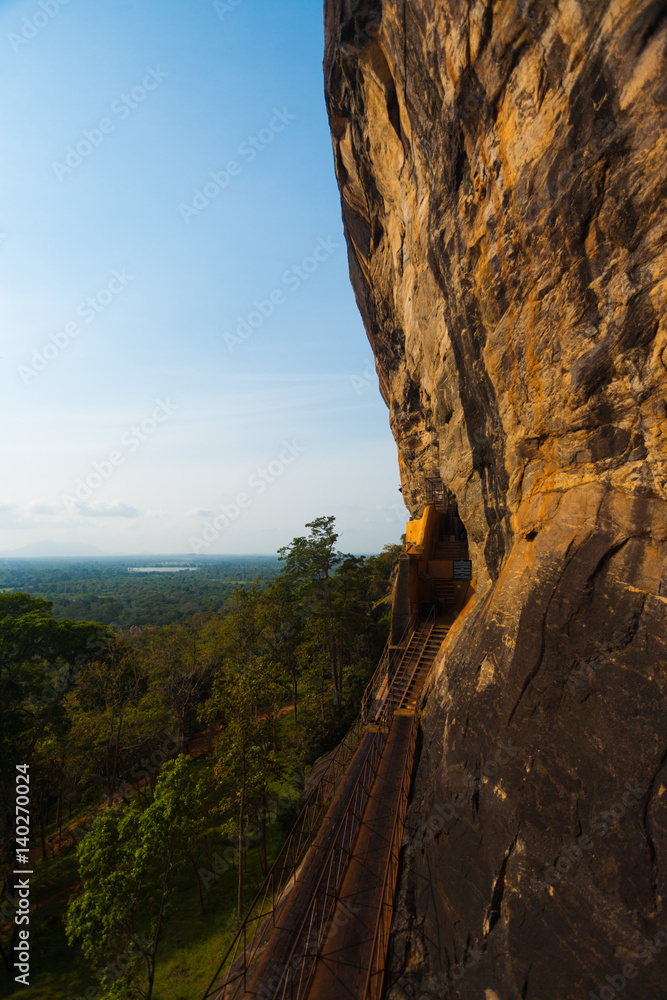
(241, 694)
(107, 591)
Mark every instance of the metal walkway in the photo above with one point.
(351, 960)
(319, 927)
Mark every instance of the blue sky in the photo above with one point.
(183, 364)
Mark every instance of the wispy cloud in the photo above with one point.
(39, 513)
(100, 508)
(31, 514)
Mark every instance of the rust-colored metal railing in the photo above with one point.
(252, 932)
(376, 970)
(381, 699)
(407, 668)
(379, 684)
(291, 981)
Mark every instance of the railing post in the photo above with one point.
(245, 957)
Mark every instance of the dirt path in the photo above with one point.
(199, 746)
(55, 898)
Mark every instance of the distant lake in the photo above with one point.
(161, 569)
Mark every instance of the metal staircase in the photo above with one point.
(415, 665)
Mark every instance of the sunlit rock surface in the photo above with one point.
(503, 174)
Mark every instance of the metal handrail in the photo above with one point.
(286, 864)
(302, 835)
(384, 666)
(308, 939)
(389, 703)
(376, 970)
(379, 671)
(427, 627)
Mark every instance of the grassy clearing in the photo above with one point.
(56, 969)
(192, 944)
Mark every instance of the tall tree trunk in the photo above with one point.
(332, 644)
(292, 666)
(334, 671)
(114, 776)
(151, 955)
(199, 889)
(150, 966)
(263, 858)
(239, 904)
(322, 685)
(107, 761)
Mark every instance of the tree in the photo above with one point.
(310, 564)
(281, 627)
(108, 690)
(39, 662)
(40, 659)
(128, 862)
(246, 763)
(181, 669)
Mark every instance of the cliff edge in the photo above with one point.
(503, 175)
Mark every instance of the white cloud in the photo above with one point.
(110, 508)
(31, 514)
(9, 516)
(43, 508)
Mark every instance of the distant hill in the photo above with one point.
(47, 550)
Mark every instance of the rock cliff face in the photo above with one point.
(503, 174)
